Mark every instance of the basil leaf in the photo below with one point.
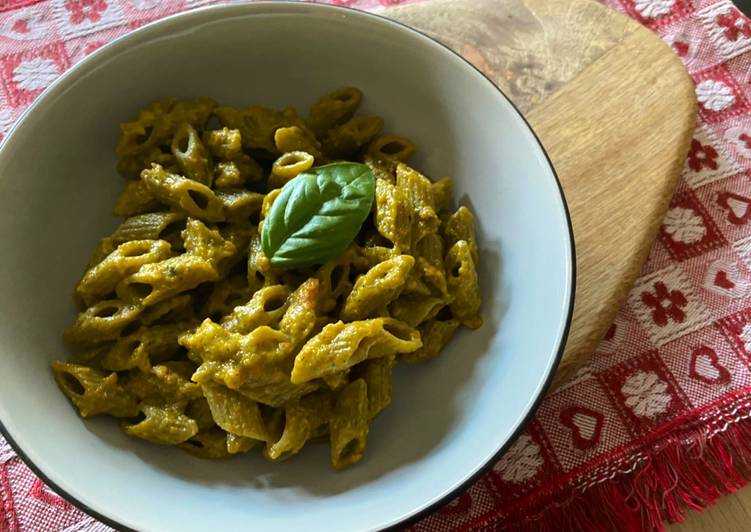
(317, 214)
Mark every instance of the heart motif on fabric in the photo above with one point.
(21, 26)
(612, 339)
(25, 26)
(681, 48)
(41, 493)
(723, 277)
(705, 367)
(738, 207)
(585, 425)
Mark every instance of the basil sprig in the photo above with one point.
(317, 214)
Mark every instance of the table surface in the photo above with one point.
(731, 514)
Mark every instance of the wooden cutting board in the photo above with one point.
(614, 108)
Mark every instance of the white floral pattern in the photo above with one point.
(36, 73)
(654, 8)
(144, 4)
(522, 461)
(684, 225)
(646, 394)
(714, 95)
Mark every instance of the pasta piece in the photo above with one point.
(105, 246)
(335, 381)
(101, 280)
(340, 346)
(234, 412)
(249, 169)
(288, 166)
(191, 155)
(240, 205)
(144, 347)
(164, 384)
(377, 375)
(234, 359)
(257, 124)
(90, 357)
(93, 392)
(429, 265)
(301, 419)
(161, 118)
(415, 310)
(240, 444)
(159, 281)
(334, 278)
(189, 196)
(300, 317)
(435, 335)
(227, 175)
(416, 287)
(225, 296)
(148, 129)
(391, 148)
(239, 234)
(279, 393)
(141, 140)
(463, 285)
(223, 143)
(381, 285)
(211, 444)
(135, 199)
(345, 140)
(176, 309)
(156, 282)
(443, 195)
(419, 192)
(381, 170)
(393, 215)
(349, 425)
(461, 226)
(260, 272)
(333, 109)
(266, 307)
(268, 201)
(164, 425)
(131, 166)
(296, 138)
(101, 322)
(373, 255)
(198, 410)
(237, 172)
(151, 226)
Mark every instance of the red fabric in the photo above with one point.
(658, 420)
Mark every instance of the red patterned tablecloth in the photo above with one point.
(659, 420)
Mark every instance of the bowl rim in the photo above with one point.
(73, 72)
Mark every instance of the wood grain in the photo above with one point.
(730, 514)
(615, 110)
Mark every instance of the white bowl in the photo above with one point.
(450, 418)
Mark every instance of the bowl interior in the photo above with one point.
(448, 417)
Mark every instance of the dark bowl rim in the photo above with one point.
(413, 518)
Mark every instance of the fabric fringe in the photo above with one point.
(690, 473)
